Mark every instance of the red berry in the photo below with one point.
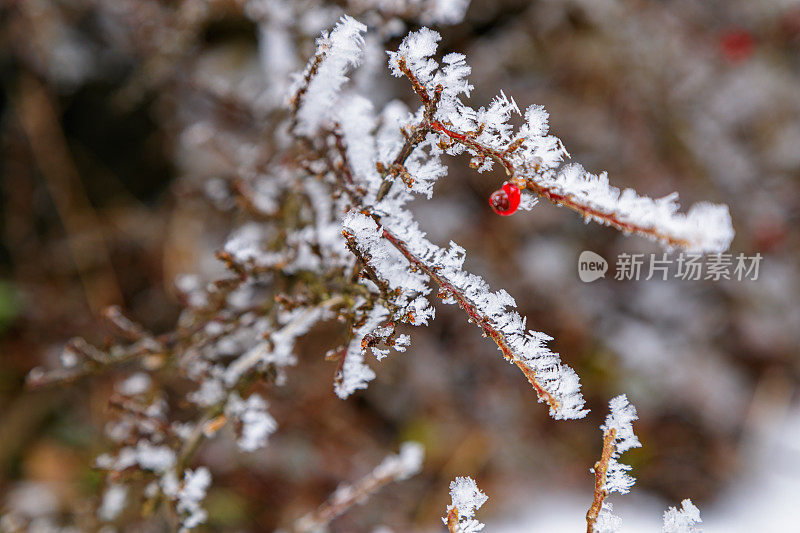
(737, 44)
(505, 200)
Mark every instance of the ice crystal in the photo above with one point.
(682, 520)
(466, 498)
(256, 423)
(190, 495)
(337, 51)
(620, 420)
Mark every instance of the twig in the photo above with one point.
(474, 313)
(600, 469)
(392, 468)
(523, 181)
(565, 200)
(452, 520)
(464, 302)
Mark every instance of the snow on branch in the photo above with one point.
(278, 349)
(682, 520)
(420, 261)
(534, 160)
(402, 298)
(706, 227)
(466, 499)
(610, 475)
(444, 11)
(256, 423)
(619, 424)
(353, 372)
(330, 236)
(405, 464)
(189, 496)
(314, 92)
(400, 262)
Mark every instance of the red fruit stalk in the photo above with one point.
(505, 200)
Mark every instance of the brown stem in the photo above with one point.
(452, 520)
(417, 85)
(363, 260)
(600, 469)
(417, 134)
(610, 219)
(297, 98)
(341, 500)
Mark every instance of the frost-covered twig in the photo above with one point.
(555, 383)
(379, 222)
(533, 160)
(612, 476)
(600, 468)
(393, 468)
(609, 474)
(313, 94)
(466, 498)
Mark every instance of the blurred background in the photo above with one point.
(104, 200)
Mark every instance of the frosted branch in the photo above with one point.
(314, 93)
(555, 383)
(466, 499)
(610, 475)
(393, 468)
(534, 160)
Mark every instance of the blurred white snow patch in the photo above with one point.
(444, 11)
(763, 498)
(403, 465)
(113, 502)
(138, 383)
(567, 512)
(32, 499)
